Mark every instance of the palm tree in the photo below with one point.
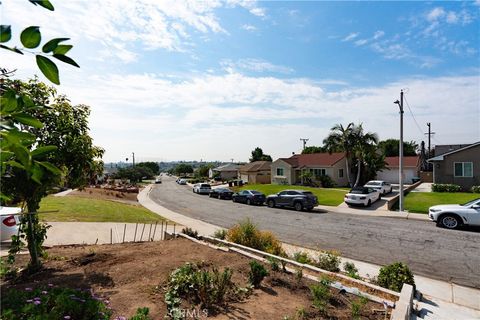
(363, 145)
(341, 139)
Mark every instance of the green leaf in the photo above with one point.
(41, 151)
(53, 44)
(50, 167)
(16, 136)
(30, 37)
(37, 173)
(13, 163)
(48, 68)
(22, 154)
(27, 120)
(5, 33)
(14, 49)
(8, 102)
(66, 60)
(62, 49)
(27, 101)
(5, 155)
(43, 3)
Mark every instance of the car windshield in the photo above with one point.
(205, 186)
(256, 192)
(359, 191)
(469, 203)
(308, 193)
(374, 183)
(223, 190)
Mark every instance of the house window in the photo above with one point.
(279, 171)
(463, 169)
(340, 173)
(318, 172)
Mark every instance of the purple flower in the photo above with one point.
(67, 317)
(120, 318)
(29, 300)
(44, 292)
(107, 302)
(28, 289)
(36, 299)
(37, 302)
(50, 285)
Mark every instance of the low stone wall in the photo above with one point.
(404, 306)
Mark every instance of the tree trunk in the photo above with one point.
(32, 224)
(359, 167)
(348, 172)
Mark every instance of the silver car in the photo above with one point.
(452, 216)
(382, 186)
(9, 221)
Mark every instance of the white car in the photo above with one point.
(182, 181)
(9, 223)
(452, 216)
(202, 188)
(362, 195)
(382, 186)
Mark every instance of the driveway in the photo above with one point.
(430, 251)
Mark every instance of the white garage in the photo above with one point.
(411, 168)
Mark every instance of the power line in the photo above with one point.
(415, 120)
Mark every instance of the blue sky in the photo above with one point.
(212, 80)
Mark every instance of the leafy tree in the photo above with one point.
(203, 170)
(151, 165)
(134, 174)
(390, 148)
(364, 145)
(31, 38)
(258, 155)
(340, 139)
(183, 168)
(314, 149)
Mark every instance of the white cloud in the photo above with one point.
(452, 17)
(435, 14)
(256, 65)
(249, 27)
(361, 42)
(351, 36)
(378, 34)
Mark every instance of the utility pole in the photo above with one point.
(400, 148)
(231, 159)
(430, 133)
(304, 142)
(133, 159)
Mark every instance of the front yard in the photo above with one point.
(421, 201)
(326, 196)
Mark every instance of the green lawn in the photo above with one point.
(71, 208)
(326, 196)
(421, 201)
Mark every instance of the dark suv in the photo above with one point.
(298, 199)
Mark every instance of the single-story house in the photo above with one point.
(226, 172)
(411, 169)
(255, 172)
(460, 166)
(289, 170)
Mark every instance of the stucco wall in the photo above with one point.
(287, 172)
(444, 170)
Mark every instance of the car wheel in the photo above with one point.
(233, 199)
(298, 206)
(368, 203)
(219, 197)
(271, 203)
(449, 221)
(249, 202)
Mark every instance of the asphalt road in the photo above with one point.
(447, 255)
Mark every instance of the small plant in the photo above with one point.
(358, 306)
(475, 189)
(141, 314)
(394, 276)
(321, 296)
(299, 276)
(302, 257)
(351, 270)
(273, 264)
(220, 234)
(190, 232)
(301, 313)
(257, 273)
(329, 260)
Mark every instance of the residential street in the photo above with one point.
(430, 251)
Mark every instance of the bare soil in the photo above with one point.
(135, 275)
(105, 194)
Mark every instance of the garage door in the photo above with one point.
(392, 175)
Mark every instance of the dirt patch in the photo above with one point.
(104, 194)
(135, 275)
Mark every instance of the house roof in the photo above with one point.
(314, 159)
(227, 167)
(442, 156)
(256, 166)
(409, 161)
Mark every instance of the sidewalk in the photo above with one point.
(463, 302)
(375, 212)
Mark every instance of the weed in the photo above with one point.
(329, 260)
(351, 270)
(302, 257)
(190, 232)
(321, 296)
(141, 314)
(301, 314)
(299, 276)
(358, 306)
(273, 264)
(257, 273)
(220, 234)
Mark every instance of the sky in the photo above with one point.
(194, 80)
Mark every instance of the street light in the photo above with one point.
(400, 149)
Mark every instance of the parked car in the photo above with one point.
(9, 223)
(221, 193)
(382, 186)
(452, 216)
(202, 188)
(182, 181)
(362, 195)
(297, 199)
(158, 180)
(249, 197)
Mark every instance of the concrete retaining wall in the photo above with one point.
(393, 200)
(404, 306)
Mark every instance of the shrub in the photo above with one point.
(256, 274)
(475, 189)
(53, 303)
(437, 187)
(394, 276)
(299, 275)
(190, 232)
(329, 260)
(351, 270)
(357, 307)
(270, 243)
(273, 264)
(326, 181)
(321, 296)
(220, 234)
(141, 314)
(302, 257)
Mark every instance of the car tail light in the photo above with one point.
(9, 221)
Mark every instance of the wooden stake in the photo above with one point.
(124, 231)
(135, 235)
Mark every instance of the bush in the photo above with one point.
(270, 243)
(142, 314)
(437, 187)
(326, 181)
(190, 232)
(256, 274)
(274, 265)
(329, 260)
(53, 303)
(351, 270)
(220, 234)
(302, 257)
(394, 276)
(321, 296)
(475, 189)
(358, 306)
